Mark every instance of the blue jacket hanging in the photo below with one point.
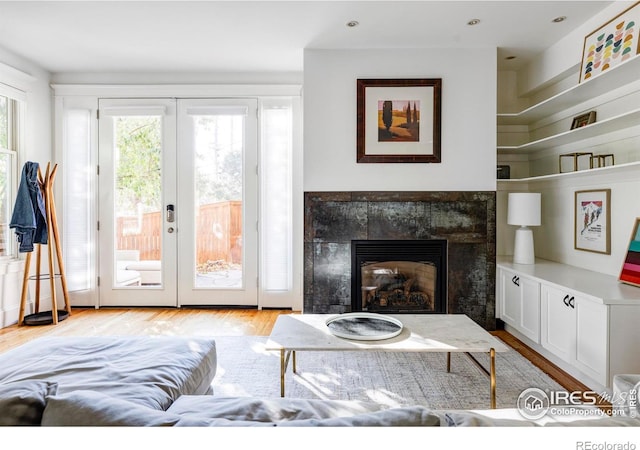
(29, 214)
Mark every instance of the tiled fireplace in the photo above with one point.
(464, 220)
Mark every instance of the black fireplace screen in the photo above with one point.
(399, 276)
(398, 284)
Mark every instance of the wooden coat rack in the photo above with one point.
(47, 317)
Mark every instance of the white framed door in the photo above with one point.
(136, 187)
(217, 202)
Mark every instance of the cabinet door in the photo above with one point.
(530, 309)
(592, 339)
(511, 296)
(558, 323)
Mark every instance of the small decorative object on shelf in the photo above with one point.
(601, 160)
(575, 157)
(583, 120)
(612, 44)
(504, 172)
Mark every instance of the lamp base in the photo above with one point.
(523, 252)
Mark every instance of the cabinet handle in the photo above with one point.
(516, 280)
(565, 300)
(572, 302)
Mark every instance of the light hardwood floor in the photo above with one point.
(148, 322)
(205, 322)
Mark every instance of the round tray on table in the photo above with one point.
(364, 326)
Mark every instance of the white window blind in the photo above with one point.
(276, 194)
(78, 195)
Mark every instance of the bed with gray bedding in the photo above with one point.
(149, 371)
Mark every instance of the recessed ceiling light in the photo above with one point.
(353, 23)
(559, 19)
(473, 22)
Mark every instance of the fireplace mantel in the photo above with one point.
(465, 219)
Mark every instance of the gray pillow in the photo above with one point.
(94, 409)
(22, 402)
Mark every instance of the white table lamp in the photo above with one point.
(524, 210)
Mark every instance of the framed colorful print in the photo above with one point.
(398, 120)
(630, 272)
(612, 44)
(592, 221)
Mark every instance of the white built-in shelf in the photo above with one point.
(633, 166)
(616, 123)
(619, 76)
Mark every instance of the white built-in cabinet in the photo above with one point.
(521, 303)
(585, 322)
(575, 328)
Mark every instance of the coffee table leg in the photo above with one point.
(283, 368)
(448, 362)
(284, 362)
(492, 377)
(491, 373)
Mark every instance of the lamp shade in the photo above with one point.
(524, 209)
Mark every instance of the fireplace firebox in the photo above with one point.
(399, 276)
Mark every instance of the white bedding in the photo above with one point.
(151, 371)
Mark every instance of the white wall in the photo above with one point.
(33, 80)
(468, 119)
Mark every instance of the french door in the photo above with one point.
(177, 202)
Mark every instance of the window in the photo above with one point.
(9, 144)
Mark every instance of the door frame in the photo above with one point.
(85, 97)
(188, 294)
(109, 294)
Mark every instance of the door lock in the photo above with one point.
(171, 215)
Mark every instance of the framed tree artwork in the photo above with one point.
(398, 120)
(592, 221)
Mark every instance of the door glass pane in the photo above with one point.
(138, 200)
(219, 145)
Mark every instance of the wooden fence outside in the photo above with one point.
(218, 233)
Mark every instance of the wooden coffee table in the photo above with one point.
(445, 333)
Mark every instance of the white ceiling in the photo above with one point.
(268, 36)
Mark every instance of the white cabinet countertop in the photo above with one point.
(601, 288)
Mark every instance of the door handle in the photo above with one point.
(171, 214)
(516, 280)
(565, 300)
(572, 302)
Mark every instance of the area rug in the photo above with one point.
(390, 379)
